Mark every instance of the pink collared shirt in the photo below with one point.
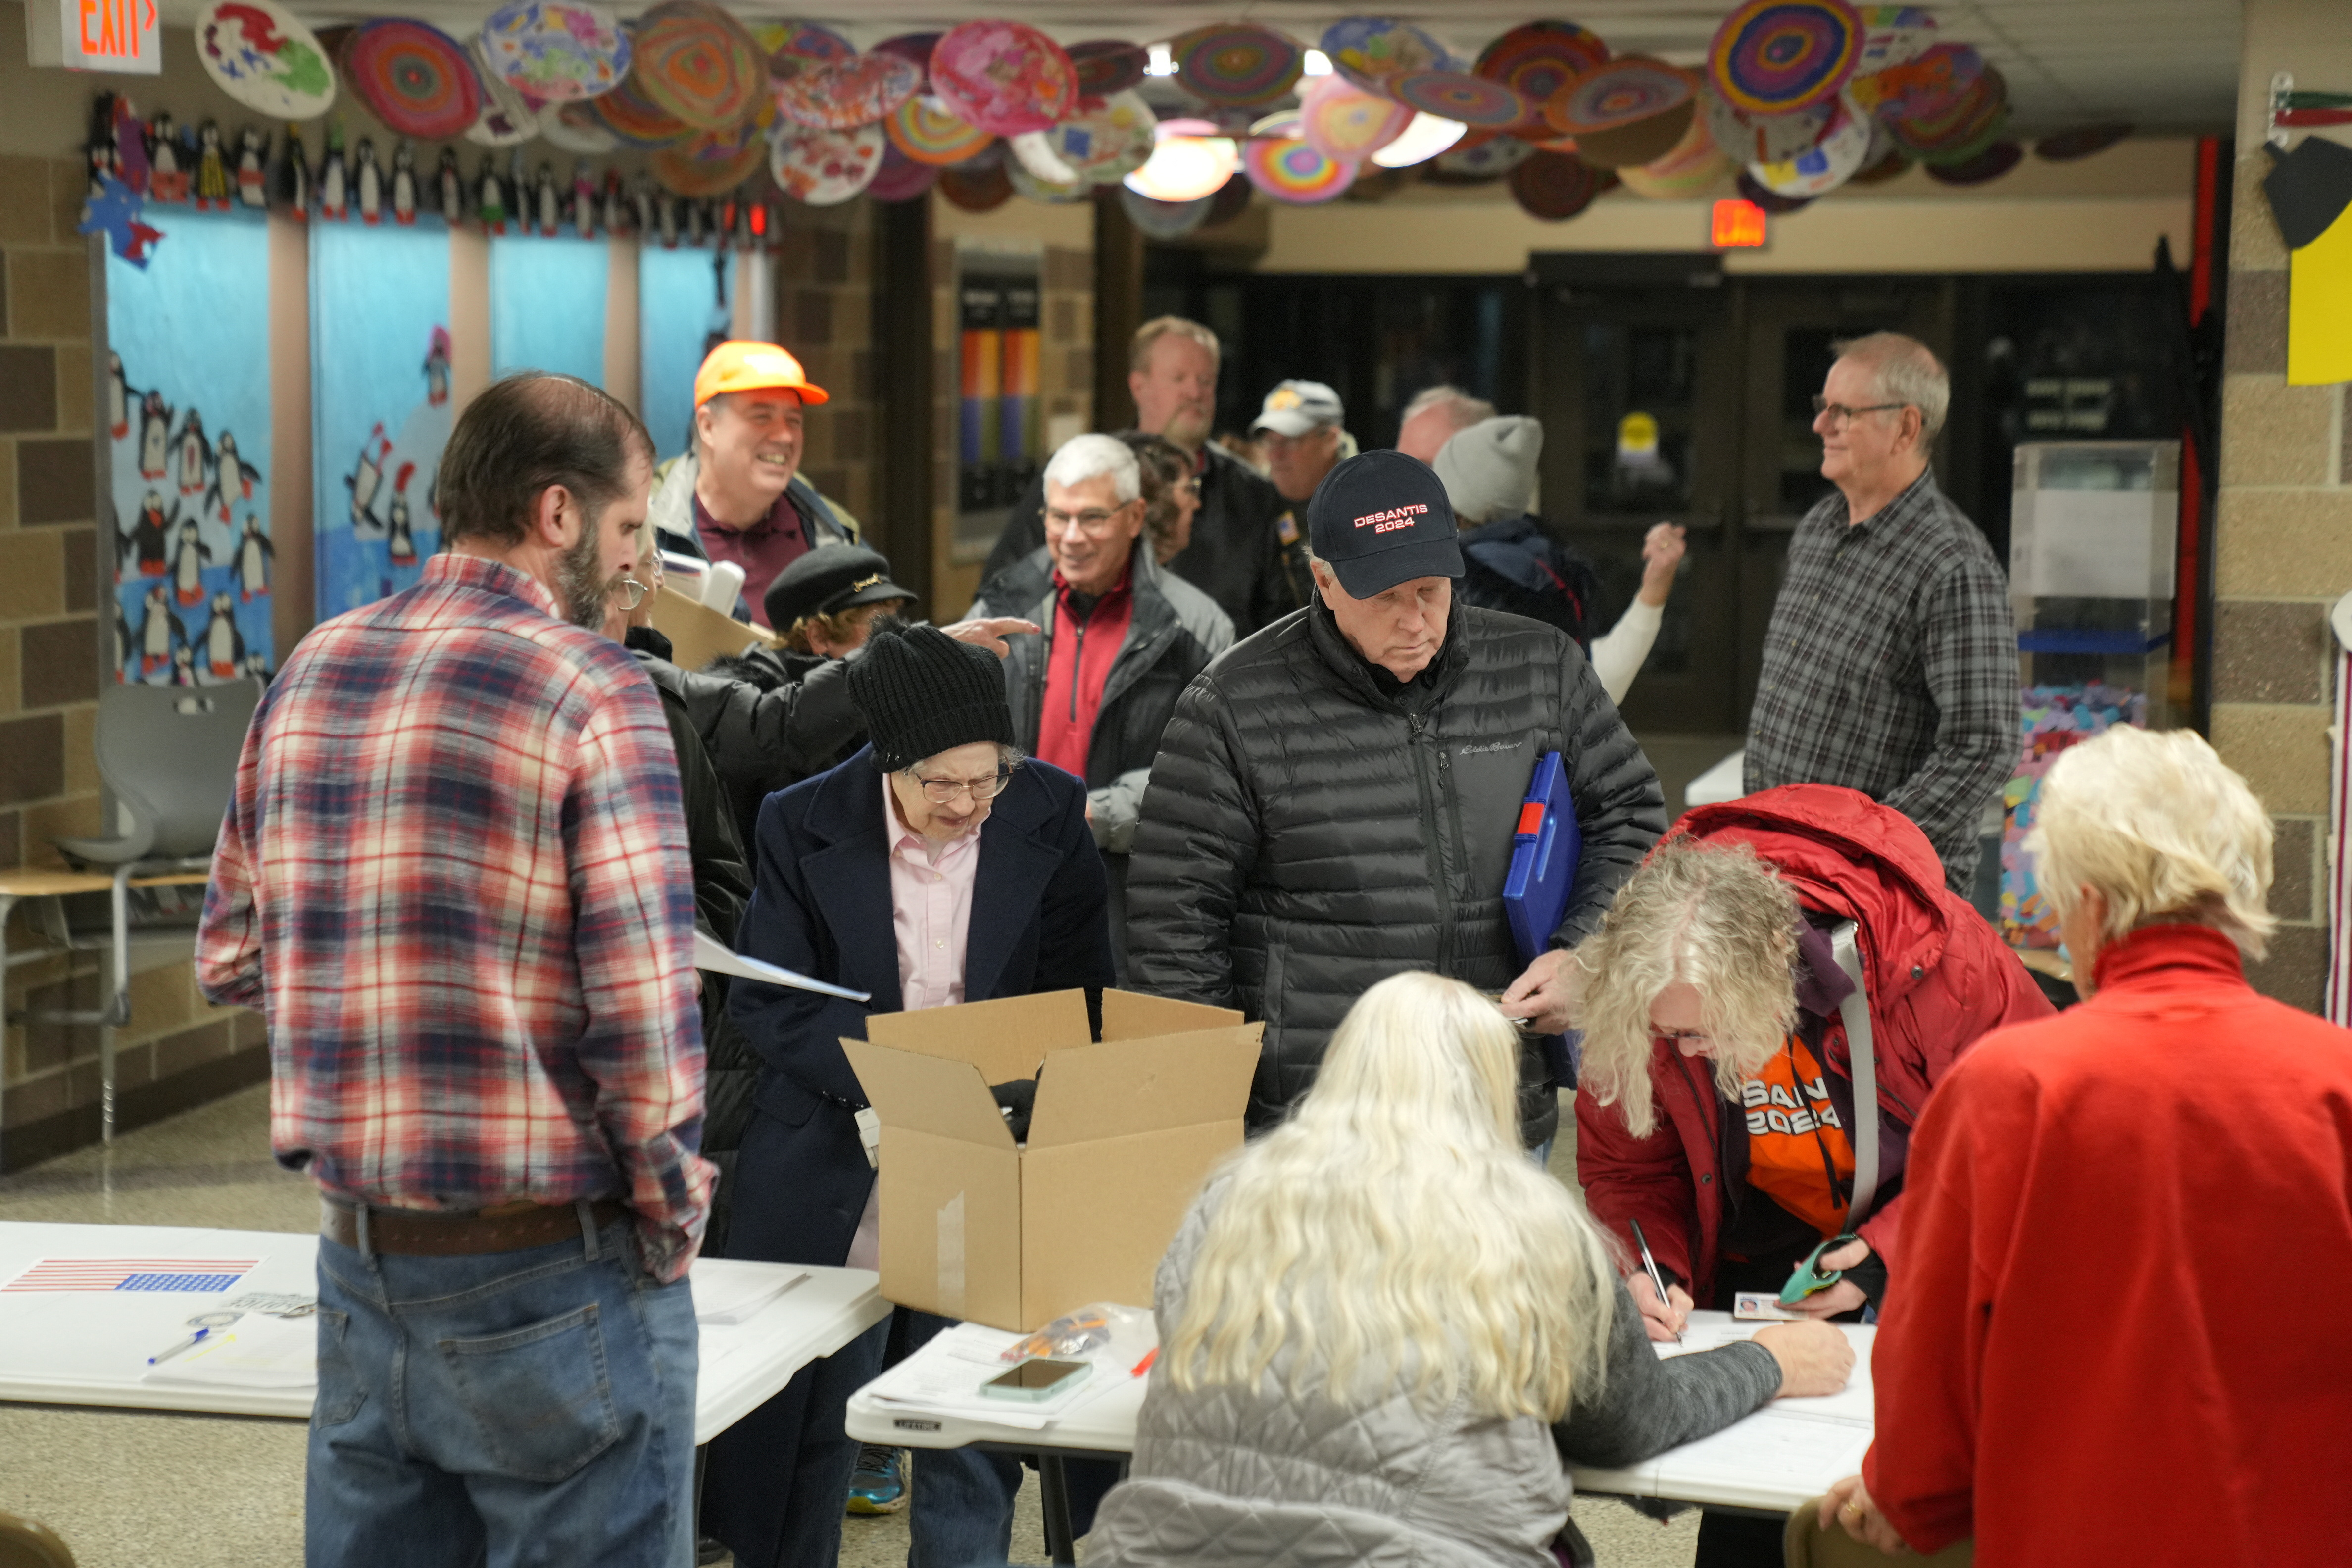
(930, 909)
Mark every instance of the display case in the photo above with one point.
(2093, 547)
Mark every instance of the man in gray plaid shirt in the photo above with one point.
(1890, 664)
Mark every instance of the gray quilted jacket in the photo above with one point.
(1228, 1478)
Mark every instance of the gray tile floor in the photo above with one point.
(134, 1489)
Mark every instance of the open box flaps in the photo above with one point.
(1123, 1132)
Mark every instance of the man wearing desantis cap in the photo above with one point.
(1334, 801)
(739, 495)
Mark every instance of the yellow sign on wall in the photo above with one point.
(2319, 307)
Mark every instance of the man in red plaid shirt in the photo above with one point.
(454, 878)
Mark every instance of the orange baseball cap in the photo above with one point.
(741, 366)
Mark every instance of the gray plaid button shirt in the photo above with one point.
(1891, 667)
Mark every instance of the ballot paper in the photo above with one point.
(1778, 1446)
(713, 955)
(728, 1290)
(1853, 1403)
(258, 1351)
(943, 1378)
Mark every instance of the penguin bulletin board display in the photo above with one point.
(547, 305)
(380, 411)
(188, 426)
(685, 300)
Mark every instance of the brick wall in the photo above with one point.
(179, 1050)
(824, 260)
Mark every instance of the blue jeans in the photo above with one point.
(507, 1408)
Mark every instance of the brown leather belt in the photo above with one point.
(508, 1227)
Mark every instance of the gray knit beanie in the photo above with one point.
(922, 692)
(1489, 468)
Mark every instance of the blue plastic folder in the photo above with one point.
(1544, 854)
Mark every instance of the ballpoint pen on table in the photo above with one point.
(197, 1337)
(1657, 1280)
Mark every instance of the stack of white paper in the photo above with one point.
(944, 1378)
(728, 1290)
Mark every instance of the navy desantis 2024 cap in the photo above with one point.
(1380, 518)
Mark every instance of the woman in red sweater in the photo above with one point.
(2118, 1333)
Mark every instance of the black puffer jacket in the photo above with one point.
(1312, 829)
(771, 718)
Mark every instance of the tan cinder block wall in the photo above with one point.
(2284, 536)
(824, 260)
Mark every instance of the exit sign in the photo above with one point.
(1737, 226)
(123, 36)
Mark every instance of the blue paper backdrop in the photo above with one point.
(188, 338)
(547, 305)
(379, 404)
(680, 302)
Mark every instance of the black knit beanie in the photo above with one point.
(922, 692)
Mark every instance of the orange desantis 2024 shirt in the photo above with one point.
(1798, 1153)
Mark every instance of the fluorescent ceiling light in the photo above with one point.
(1423, 138)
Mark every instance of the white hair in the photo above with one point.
(1394, 1237)
(2160, 827)
(1905, 370)
(1465, 410)
(1084, 457)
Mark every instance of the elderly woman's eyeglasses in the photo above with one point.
(1840, 415)
(630, 592)
(938, 792)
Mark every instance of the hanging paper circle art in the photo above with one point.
(414, 78)
(900, 178)
(556, 49)
(625, 113)
(793, 47)
(1344, 122)
(1488, 159)
(825, 168)
(1693, 167)
(1554, 186)
(1289, 169)
(1165, 220)
(1237, 65)
(1892, 34)
(930, 132)
(1776, 57)
(915, 47)
(265, 59)
(574, 127)
(1922, 87)
(1958, 130)
(508, 118)
(1764, 139)
(1187, 163)
(1369, 50)
(696, 62)
(1822, 168)
(711, 163)
(1458, 95)
(1106, 145)
(1106, 66)
(1424, 138)
(1539, 60)
(1003, 77)
(1620, 93)
(845, 94)
(977, 190)
(1773, 202)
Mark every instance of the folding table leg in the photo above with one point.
(1054, 1490)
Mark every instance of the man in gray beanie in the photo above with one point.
(936, 865)
(1511, 561)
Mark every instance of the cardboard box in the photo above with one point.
(698, 634)
(1124, 1132)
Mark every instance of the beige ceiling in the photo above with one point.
(2170, 64)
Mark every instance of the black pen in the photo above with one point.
(1657, 1280)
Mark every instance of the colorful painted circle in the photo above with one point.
(842, 95)
(508, 118)
(1108, 143)
(709, 164)
(900, 178)
(1369, 50)
(792, 47)
(928, 131)
(260, 56)
(1838, 157)
(414, 78)
(2081, 142)
(1777, 56)
(825, 168)
(1692, 167)
(1764, 139)
(1106, 66)
(1626, 146)
(637, 124)
(1003, 77)
(915, 47)
(1628, 88)
(1892, 34)
(1237, 64)
(1165, 220)
(1926, 87)
(1028, 184)
(977, 190)
(556, 50)
(1341, 120)
(1554, 186)
(1770, 201)
(1289, 169)
(1959, 130)
(696, 62)
(1991, 164)
(1488, 160)
(1539, 60)
(574, 127)
(1458, 95)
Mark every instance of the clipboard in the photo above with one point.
(1545, 850)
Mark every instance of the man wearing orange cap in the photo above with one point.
(739, 495)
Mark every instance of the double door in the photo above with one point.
(1671, 392)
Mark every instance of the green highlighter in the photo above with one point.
(1808, 1278)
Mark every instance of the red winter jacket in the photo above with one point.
(1936, 975)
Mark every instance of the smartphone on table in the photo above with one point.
(1036, 1379)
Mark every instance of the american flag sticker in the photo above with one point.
(199, 1275)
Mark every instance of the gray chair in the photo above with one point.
(168, 756)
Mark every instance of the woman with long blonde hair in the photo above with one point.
(1382, 1326)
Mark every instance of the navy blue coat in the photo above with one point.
(821, 905)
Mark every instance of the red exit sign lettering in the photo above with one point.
(1737, 226)
(123, 36)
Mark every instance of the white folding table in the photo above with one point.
(1770, 1461)
(91, 1347)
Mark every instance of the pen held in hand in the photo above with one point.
(1657, 1280)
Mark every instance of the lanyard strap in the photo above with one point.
(1855, 1011)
